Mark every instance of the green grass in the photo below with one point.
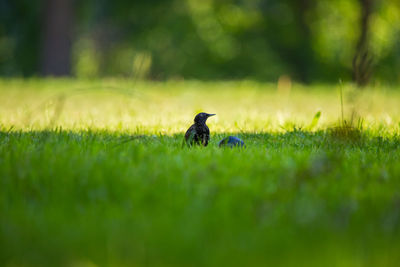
(93, 173)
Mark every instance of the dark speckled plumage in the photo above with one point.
(198, 133)
(231, 141)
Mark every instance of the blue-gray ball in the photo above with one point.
(231, 141)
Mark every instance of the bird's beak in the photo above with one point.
(209, 115)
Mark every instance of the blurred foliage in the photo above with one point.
(307, 40)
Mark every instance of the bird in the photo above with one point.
(231, 141)
(198, 133)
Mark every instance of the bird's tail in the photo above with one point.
(188, 141)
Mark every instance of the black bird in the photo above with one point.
(198, 133)
(231, 141)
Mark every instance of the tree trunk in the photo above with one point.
(362, 60)
(57, 37)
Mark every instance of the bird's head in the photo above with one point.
(202, 117)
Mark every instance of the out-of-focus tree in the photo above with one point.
(307, 40)
(57, 37)
(385, 40)
(362, 61)
(20, 37)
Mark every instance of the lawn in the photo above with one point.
(93, 173)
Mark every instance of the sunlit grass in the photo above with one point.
(93, 173)
(169, 108)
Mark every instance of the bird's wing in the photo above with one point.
(189, 135)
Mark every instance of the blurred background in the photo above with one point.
(308, 41)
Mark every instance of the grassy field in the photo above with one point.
(93, 173)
